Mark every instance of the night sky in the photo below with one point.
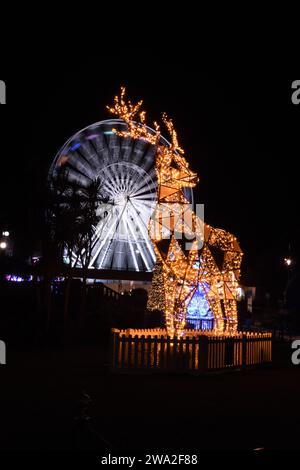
(240, 132)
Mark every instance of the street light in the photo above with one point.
(289, 265)
(5, 233)
(3, 245)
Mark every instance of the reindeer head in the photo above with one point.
(172, 169)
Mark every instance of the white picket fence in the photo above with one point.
(153, 350)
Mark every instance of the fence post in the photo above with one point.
(149, 350)
(168, 349)
(136, 352)
(155, 352)
(112, 350)
(129, 351)
(116, 350)
(187, 356)
(123, 350)
(203, 353)
(162, 361)
(194, 353)
(244, 351)
(143, 342)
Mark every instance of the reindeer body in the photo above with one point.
(191, 253)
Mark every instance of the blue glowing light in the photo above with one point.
(75, 146)
(108, 133)
(198, 307)
(13, 278)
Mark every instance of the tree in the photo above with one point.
(72, 220)
(87, 222)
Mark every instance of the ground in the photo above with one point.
(40, 390)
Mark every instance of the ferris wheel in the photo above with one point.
(126, 171)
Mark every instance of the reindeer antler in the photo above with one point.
(173, 134)
(175, 150)
(137, 129)
(125, 111)
(128, 111)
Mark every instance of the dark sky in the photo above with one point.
(240, 132)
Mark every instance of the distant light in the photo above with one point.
(75, 146)
(5, 233)
(59, 279)
(14, 278)
(92, 136)
(3, 245)
(288, 261)
(62, 160)
(137, 251)
(108, 133)
(240, 294)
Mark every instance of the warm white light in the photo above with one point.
(177, 274)
(3, 245)
(288, 261)
(5, 234)
(240, 294)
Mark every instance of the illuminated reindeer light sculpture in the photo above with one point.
(190, 254)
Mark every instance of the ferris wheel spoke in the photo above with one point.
(146, 192)
(140, 183)
(111, 241)
(115, 222)
(144, 231)
(75, 161)
(108, 176)
(107, 189)
(144, 197)
(147, 177)
(143, 210)
(101, 226)
(141, 251)
(88, 155)
(75, 173)
(117, 177)
(125, 176)
(105, 251)
(146, 186)
(133, 256)
(102, 150)
(146, 206)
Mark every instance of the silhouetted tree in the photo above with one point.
(72, 220)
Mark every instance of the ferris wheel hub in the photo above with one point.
(121, 199)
